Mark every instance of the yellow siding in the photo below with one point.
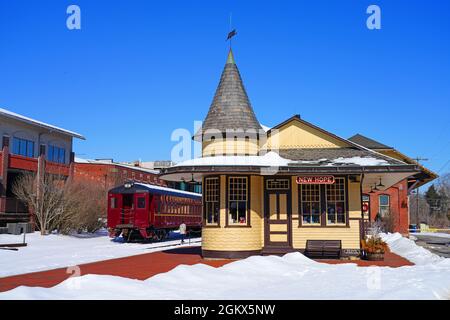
(237, 239)
(231, 147)
(354, 199)
(393, 154)
(298, 135)
(348, 236)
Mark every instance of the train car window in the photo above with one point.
(141, 202)
(113, 203)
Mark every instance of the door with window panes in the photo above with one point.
(277, 212)
(141, 211)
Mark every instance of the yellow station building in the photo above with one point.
(270, 190)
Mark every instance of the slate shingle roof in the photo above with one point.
(307, 154)
(230, 108)
(367, 142)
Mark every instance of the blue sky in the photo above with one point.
(137, 70)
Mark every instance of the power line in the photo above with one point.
(448, 161)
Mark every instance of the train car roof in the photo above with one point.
(144, 187)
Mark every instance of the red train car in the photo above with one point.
(144, 211)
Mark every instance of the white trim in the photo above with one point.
(21, 118)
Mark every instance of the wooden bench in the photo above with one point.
(323, 248)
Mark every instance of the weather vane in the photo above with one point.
(232, 33)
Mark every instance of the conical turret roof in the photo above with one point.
(230, 108)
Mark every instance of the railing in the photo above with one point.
(31, 164)
(127, 216)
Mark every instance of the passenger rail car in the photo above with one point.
(144, 211)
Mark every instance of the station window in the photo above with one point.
(212, 201)
(237, 200)
(335, 202)
(277, 184)
(23, 147)
(56, 154)
(383, 204)
(310, 204)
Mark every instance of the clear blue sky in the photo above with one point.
(137, 70)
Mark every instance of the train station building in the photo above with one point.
(270, 190)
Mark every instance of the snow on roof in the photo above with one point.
(166, 189)
(22, 118)
(267, 160)
(273, 159)
(360, 161)
(265, 128)
(109, 161)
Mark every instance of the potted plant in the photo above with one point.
(372, 245)
(374, 248)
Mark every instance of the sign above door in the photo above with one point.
(315, 179)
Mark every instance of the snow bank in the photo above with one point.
(58, 251)
(408, 249)
(292, 276)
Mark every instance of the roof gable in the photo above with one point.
(298, 133)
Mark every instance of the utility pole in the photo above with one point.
(418, 159)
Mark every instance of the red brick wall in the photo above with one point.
(398, 205)
(111, 175)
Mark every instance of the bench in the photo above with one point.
(323, 248)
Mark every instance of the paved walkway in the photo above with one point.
(435, 244)
(147, 265)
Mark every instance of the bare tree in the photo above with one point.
(84, 207)
(43, 197)
(63, 205)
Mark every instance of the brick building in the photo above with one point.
(30, 145)
(111, 174)
(395, 199)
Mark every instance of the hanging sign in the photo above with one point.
(315, 179)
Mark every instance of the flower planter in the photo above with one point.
(375, 256)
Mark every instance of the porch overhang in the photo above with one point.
(390, 174)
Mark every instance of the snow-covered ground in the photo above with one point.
(57, 251)
(292, 276)
(408, 249)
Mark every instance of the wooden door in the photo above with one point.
(277, 218)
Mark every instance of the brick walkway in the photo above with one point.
(147, 265)
(390, 260)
